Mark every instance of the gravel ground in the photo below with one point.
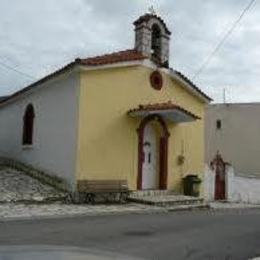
(15, 186)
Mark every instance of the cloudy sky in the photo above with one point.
(38, 37)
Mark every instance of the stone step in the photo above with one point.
(146, 193)
(166, 200)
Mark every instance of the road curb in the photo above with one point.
(89, 214)
(151, 211)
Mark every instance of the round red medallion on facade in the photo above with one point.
(156, 80)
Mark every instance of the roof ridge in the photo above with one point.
(114, 57)
(185, 78)
(112, 53)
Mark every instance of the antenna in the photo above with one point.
(224, 95)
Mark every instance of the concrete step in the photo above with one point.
(166, 200)
(147, 193)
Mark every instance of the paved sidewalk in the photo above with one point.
(28, 211)
(229, 205)
(17, 211)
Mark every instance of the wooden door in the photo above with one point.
(163, 163)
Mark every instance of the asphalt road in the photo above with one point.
(183, 235)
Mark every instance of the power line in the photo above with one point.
(219, 45)
(16, 70)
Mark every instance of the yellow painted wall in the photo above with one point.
(108, 140)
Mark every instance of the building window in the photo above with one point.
(218, 124)
(156, 42)
(28, 121)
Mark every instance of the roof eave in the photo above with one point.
(30, 87)
(113, 65)
(150, 64)
(78, 63)
(174, 115)
(202, 96)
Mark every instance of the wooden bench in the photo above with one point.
(106, 189)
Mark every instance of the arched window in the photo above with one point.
(156, 41)
(28, 121)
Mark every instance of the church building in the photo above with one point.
(121, 116)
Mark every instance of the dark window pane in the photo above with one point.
(218, 124)
(28, 121)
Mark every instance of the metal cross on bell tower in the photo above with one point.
(151, 10)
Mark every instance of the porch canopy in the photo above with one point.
(167, 111)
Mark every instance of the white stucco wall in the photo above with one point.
(55, 127)
(244, 189)
(209, 184)
(238, 139)
(238, 188)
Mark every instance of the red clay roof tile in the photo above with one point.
(162, 106)
(116, 57)
(129, 55)
(121, 56)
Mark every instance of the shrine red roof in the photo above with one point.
(115, 57)
(162, 107)
(112, 58)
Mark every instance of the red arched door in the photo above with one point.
(220, 180)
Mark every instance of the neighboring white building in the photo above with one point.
(232, 131)
(52, 104)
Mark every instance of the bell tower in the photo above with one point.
(152, 38)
